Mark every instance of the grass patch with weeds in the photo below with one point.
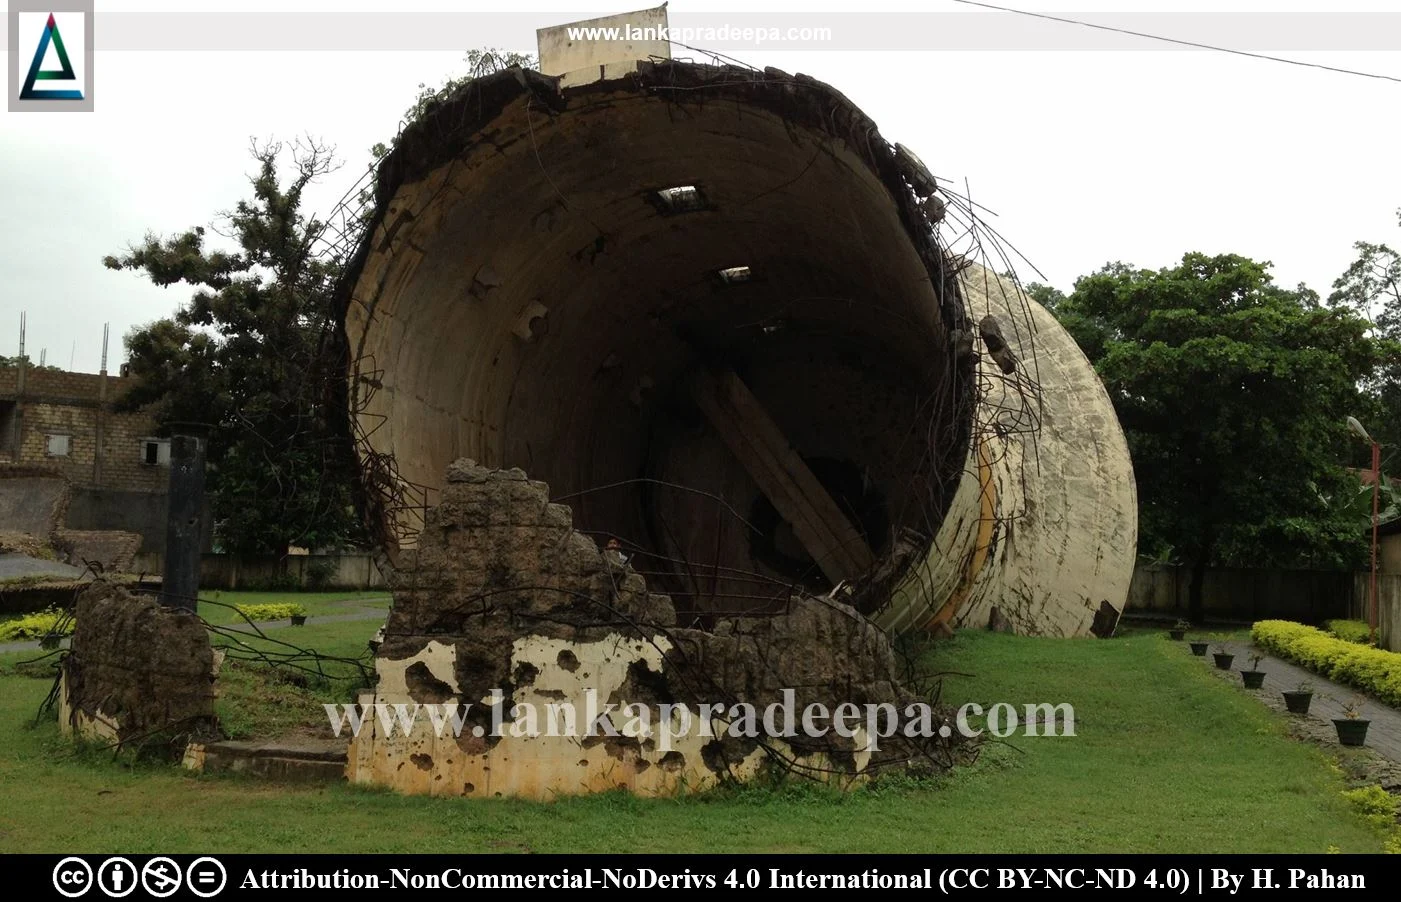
(276, 683)
(259, 702)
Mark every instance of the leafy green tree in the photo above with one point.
(1372, 287)
(479, 62)
(253, 354)
(1372, 281)
(1043, 294)
(1232, 392)
(251, 357)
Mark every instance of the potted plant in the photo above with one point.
(1179, 629)
(1297, 699)
(1352, 726)
(1223, 657)
(298, 615)
(1254, 678)
(1199, 648)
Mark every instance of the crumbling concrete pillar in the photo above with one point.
(137, 674)
(503, 604)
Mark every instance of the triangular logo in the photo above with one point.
(29, 92)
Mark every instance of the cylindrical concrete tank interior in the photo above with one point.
(708, 307)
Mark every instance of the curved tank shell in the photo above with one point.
(710, 308)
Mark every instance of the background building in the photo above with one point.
(67, 424)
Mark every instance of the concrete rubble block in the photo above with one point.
(137, 673)
(466, 470)
(543, 617)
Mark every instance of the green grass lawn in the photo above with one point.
(1167, 758)
(256, 700)
(317, 604)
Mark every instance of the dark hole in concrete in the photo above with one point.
(622, 747)
(568, 661)
(425, 688)
(525, 674)
(720, 754)
(672, 761)
(619, 747)
(642, 684)
(479, 670)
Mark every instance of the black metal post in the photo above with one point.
(180, 584)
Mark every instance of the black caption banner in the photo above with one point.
(98, 877)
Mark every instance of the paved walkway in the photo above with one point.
(14, 566)
(266, 626)
(1383, 736)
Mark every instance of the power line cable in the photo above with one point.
(1181, 42)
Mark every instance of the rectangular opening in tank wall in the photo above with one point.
(679, 199)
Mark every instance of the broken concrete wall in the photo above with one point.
(32, 500)
(503, 603)
(137, 673)
(102, 550)
(1044, 524)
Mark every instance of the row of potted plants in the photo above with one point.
(1351, 727)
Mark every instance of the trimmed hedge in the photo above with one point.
(33, 626)
(1371, 670)
(270, 611)
(1350, 630)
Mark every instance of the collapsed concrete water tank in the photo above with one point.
(710, 308)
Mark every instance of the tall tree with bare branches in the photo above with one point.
(247, 356)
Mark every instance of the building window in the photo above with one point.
(56, 445)
(155, 452)
(8, 418)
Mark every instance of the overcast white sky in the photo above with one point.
(1086, 155)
